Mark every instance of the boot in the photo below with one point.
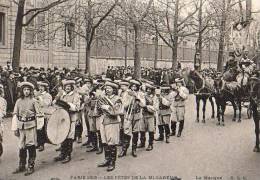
(68, 152)
(142, 139)
(121, 137)
(167, 133)
(62, 154)
(22, 161)
(134, 143)
(41, 148)
(66, 159)
(112, 162)
(87, 143)
(125, 146)
(32, 157)
(180, 128)
(107, 152)
(161, 131)
(173, 127)
(151, 138)
(94, 142)
(100, 145)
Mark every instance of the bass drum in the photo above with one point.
(58, 126)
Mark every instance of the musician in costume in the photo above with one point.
(132, 117)
(111, 106)
(79, 126)
(26, 111)
(149, 113)
(87, 88)
(178, 111)
(94, 117)
(125, 97)
(45, 100)
(72, 99)
(165, 100)
(3, 108)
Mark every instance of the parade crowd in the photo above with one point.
(117, 109)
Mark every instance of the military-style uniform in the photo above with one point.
(26, 111)
(132, 118)
(149, 113)
(73, 100)
(110, 126)
(165, 101)
(178, 111)
(45, 100)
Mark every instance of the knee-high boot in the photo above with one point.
(125, 146)
(94, 142)
(134, 143)
(31, 160)
(69, 149)
(173, 128)
(106, 152)
(63, 151)
(112, 162)
(100, 145)
(180, 128)
(151, 139)
(167, 132)
(22, 161)
(142, 139)
(161, 133)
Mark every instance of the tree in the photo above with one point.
(173, 21)
(136, 12)
(19, 25)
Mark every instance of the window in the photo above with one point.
(41, 29)
(29, 32)
(2, 28)
(69, 38)
(184, 43)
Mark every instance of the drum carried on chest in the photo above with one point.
(57, 125)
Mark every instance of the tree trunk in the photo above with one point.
(222, 38)
(156, 46)
(126, 44)
(174, 56)
(87, 65)
(175, 36)
(18, 36)
(199, 50)
(137, 58)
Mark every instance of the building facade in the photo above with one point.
(65, 51)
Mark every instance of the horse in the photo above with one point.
(202, 90)
(255, 106)
(224, 92)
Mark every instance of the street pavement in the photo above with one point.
(205, 151)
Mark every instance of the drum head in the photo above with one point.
(58, 126)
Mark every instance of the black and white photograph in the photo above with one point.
(129, 89)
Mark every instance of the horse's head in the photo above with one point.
(218, 84)
(254, 85)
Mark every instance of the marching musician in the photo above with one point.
(72, 98)
(3, 107)
(178, 111)
(94, 117)
(165, 100)
(110, 126)
(152, 106)
(125, 97)
(87, 88)
(132, 117)
(45, 100)
(79, 126)
(26, 111)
